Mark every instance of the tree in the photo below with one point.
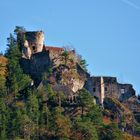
(19, 29)
(32, 106)
(60, 125)
(85, 99)
(3, 118)
(27, 127)
(95, 115)
(44, 116)
(82, 62)
(3, 74)
(110, 132)
(16, 79)
(2, 85)
(14, 122)
(21, 125)
(84, 130)
(65, 54)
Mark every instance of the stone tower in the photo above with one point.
(31, 43)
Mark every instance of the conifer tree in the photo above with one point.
(84, 129)
(60, 125)
(85, 100)
(33, 107)
(16, 79)
(3, 118)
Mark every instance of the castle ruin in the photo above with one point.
(103, 86)
(38, 58)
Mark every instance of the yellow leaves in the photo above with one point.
(3, 63)
(64, 127)
(3, 71)
(3, 60)
(130, 137)
(20, 104)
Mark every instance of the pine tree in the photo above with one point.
(27, 127)
(85, 100)
(110, 132)
(83, 129)
(60, 125)
(95, 115)
(16, 79)
(3, 118)
(32, 106)
(14, 120)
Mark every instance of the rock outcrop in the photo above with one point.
(38, 59)
(120, 113)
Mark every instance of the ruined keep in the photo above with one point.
(31, 42)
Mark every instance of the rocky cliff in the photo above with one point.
(60, 65)
(40, 64)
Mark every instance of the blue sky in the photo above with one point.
(105, 32)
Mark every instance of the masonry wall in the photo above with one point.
(36, 65)
(126, 91)
(93, 86)
(111, 88)
(31, 42)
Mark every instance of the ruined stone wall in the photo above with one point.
(126, 91)
(111, 88)
(36, 66)
(93, 85)
(55, 54)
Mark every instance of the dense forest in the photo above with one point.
(31, 113)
